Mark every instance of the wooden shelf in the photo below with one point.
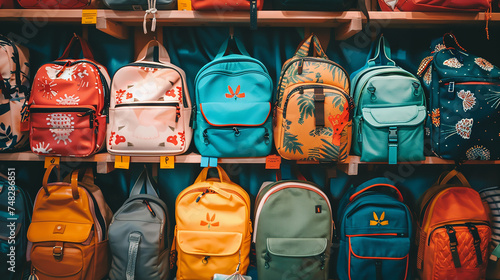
(348, 23)
(105, 161)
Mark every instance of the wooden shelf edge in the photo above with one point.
(196, 158)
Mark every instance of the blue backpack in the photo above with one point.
(375, 233)
(233, 106)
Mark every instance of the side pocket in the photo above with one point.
(102, 263)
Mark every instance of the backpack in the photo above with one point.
(15, 217)
(293, 231)
(14, 88)
(454, 231)
(491, 199)
(233, 105)
(435, 6)
(68, 231)
(58, 4)
(316, 5)
(312, 117)
(376, 233)
(213, 228)
(150, 109)
(464, 94)
(222, 6)
(67, 105)
(139, 235)
(390, 110)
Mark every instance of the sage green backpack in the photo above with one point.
(388, 124)
(293, 231)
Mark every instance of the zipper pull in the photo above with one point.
(33, 275)
(59, 73)
(149, 208)
(205, 259)
(416, 86)
(371, 90)
(267, 259)
(91, 117)
(205, 137)
(236, 132)
(451, 87)
(300, 66)
(202, 194)
(266, 136)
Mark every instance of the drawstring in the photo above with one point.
(151, 10)
(487, 16)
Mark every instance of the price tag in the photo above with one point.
(89, 16)
(273, 162)
(184, 5)
(51, 160)
(122, 162)
(167, 162)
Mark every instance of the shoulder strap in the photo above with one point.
(224, 48)
(450, 41)
(73, 181)
(154, 51)
(305, 48)
(376, 183)
(143, 181)
(133, 248)
(204, 173)
(87, 53)
(380, 53)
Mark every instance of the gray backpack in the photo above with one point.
(137, 235)
(293, 231)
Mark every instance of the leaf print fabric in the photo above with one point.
(453, 63)
(468, 99)
(484, 64)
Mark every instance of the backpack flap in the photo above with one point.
(59, 231)
(221, 243)
(297, 247)
(245, 114)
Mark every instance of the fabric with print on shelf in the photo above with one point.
(464, 98)
(68, 105)
(150, 107)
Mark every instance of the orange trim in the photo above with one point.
(372, 234)
(473, 83)
(220, 125)
(400, 196)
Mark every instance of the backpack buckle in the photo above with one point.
(57, 252)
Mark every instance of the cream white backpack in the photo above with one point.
(150, 109)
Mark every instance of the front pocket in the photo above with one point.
(466, 257)
(295, 258)
(403, 126)
(378, 257)
(47, 267)
(65, 131)
(202, 254)
(303, 136)
(151, 128)
(235, 142)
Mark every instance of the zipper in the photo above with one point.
(395, 234)
(237, 133)
(33, 274)
(225, 60)
(281, 186)
(100, 219)
(236, 73)
(366, 72)
(360, 130)
(101, 76)
(302, 59)
(149, 208)
(450, 84)
(162, 66)
(86, 112)
(301, 89)
(455, 225)
(155, 104)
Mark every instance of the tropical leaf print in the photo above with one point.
(328, 151)
(314, 154)
(338, 102)
(322, 131)
(291, 143)
(306, 106)
(5, 135)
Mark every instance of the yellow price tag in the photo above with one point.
(184, 5)
(122, 162)
(51, 160)
(89, 16)
(167, 162)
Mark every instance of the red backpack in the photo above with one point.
(67, 105)
(435, 6)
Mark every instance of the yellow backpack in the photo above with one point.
(213, 228)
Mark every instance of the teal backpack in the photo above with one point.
(376, 233)
(233, 105)
(390, 110)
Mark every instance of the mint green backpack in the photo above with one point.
(388, 124)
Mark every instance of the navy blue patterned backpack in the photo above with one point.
(464, 102)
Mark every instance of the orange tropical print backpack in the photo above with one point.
(312, 116)
(454, 231)
(213, 229)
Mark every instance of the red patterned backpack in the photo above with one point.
(67, 104)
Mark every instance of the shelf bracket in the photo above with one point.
(350, 168)
(112, 28)
(349, 29)
(104, 167)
